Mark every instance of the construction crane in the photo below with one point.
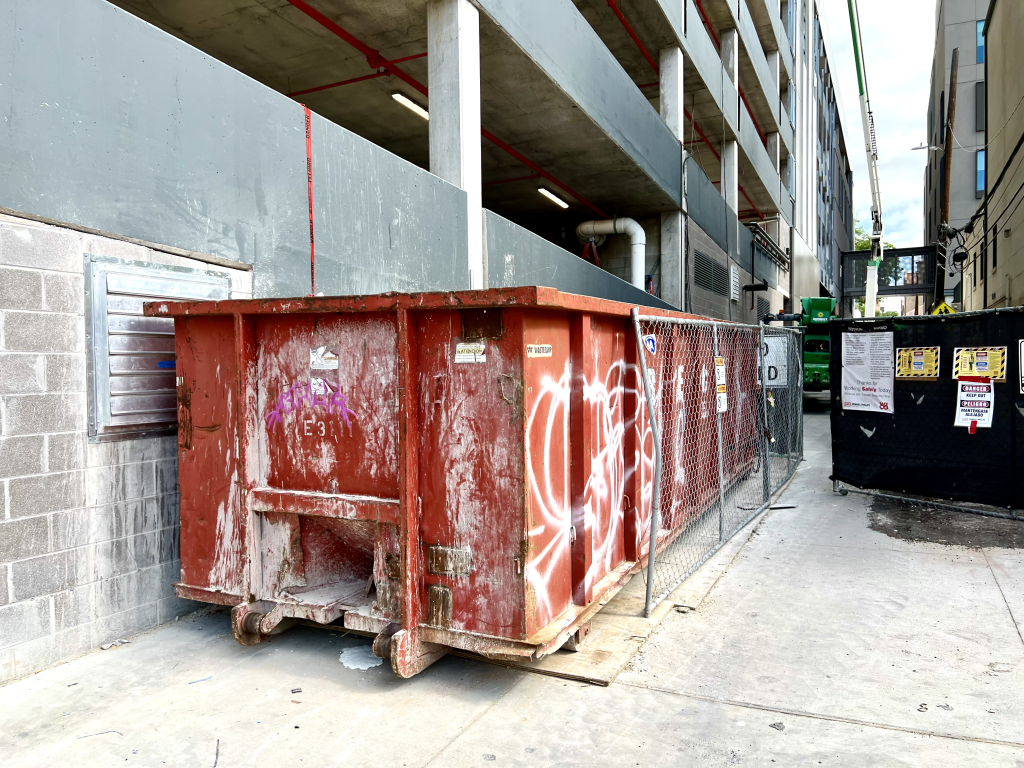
(871, 150)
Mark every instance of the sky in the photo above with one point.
(899, 38)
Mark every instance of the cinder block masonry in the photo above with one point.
(88, 531)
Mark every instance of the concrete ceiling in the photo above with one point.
(278, 45)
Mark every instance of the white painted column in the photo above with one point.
(731, 149)
(453, 64)
(773, 150)
(731, 54)
(673, 257)
(731, 174)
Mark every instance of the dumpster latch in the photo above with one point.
(572, 534)
(448, 561)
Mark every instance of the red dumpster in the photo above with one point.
(449, 470)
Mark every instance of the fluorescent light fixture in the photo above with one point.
(408, 103)
(553, 198)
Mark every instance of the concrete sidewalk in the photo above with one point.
(846, 632)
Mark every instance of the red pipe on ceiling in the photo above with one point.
(650, 60)
(375, 60)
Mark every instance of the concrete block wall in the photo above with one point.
(88, 532)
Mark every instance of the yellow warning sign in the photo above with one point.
(989, 362)
(917, 363)
(943, 309)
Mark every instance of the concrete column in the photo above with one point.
(773, 150)
(731, 174)
(731, 54)
(773, 67)
(673, 257)
(453, 65)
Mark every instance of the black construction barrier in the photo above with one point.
(916, 449)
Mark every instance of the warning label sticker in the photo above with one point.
(471, 352)
(538, 350)
(917, 363)
(989, 362)
(975, 402)
(722, 397)
(322, 360)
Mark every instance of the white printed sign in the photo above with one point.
(975, 401)
(721, 395)
(868, 372)
(776, 358)
(471, 352)
(1020, 366)
(320, 359)
(538, 350)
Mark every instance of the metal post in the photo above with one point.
(721, 468)
(656, 434)
(766, 432)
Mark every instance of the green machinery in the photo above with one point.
(817, 312)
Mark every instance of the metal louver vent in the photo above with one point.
(131, 384)
(709, 274)
(763, 307)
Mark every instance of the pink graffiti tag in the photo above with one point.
(315, 393)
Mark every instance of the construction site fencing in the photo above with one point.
(725, 403)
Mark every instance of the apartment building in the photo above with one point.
(958, 25)
(993, 275)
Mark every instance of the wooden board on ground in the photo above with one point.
(619, 629)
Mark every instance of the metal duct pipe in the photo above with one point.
(637, 242)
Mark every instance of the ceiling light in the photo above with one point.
(408, 103)
(553, 198)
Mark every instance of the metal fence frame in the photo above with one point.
(770, 484)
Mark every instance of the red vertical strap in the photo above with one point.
(309, 183)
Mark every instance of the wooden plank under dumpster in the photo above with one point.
(465, 470)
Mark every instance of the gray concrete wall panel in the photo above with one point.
(706, 206)
(559, 40)
(123, 128)
(120, 127)
(382, 224)
(517, 257)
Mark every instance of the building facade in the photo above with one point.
(993, 275)
(958, 25)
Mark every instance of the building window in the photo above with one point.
(979, 184)
(979, 105)
(980, 43)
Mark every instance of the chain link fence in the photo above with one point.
(723, 442)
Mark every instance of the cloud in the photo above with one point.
(899, 39)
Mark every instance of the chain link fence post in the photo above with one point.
(656, 434)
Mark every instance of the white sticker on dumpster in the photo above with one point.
(1020, 366)
(538, 350)
(320, 359)
(471, 352)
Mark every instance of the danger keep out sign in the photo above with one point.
(975, 401)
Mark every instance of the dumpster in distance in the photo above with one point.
(451, 470)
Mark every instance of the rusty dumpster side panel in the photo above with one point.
(470, 470)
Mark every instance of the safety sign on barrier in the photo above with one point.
(776, 360)
(917, 363)
(1020, 365)
(988, 362)
(722, 397)
(868, 372)
(975, 402)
